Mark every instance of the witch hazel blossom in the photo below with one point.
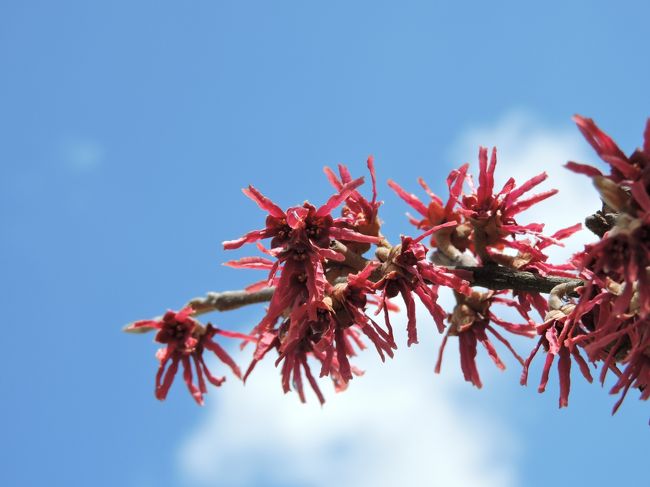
(472, 322)
(358, 213)
(454, 239)
(319, 320)
(329, 276)
(618, 266)
(185, 341)
(493, 214)
(407, 271)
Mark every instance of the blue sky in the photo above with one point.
(128, 128)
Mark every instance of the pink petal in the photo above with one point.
(371, 167)
(223, 356)
(410, 198)
(641, 196)
(528, 202)
(345, 234)
(297, 381)
(263, 202)
(163, 388)
(467, 344)
(566, 232)
(599, 140)
(456, 188)
(331, 177)
(312, 381)
(564, 369)
(250, 237)
(251, 263)
(524, 188)
(339, 197)
(441, 351)
(547, 368)
(583, 169)
(296, 216)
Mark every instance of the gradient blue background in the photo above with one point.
(128, 128)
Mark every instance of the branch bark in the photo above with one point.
(228, 300)
(499, 277)
(490, 276)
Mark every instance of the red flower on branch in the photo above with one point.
(493, 215)
(470, 322)
(436, 212)
(300, 240)
(327, 334)
(358, 213)
(618, 266)
(406, 271)
(185, 340)
(557, 331)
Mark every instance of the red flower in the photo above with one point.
(301, 229)
(437, 213)
(470, 322)
(493, 215)
(407, 271)
(294, 354)
(616, 333)
(301, 240)
(559, 327)
(627, 186)
(358, 213)
(185, 340)
(327, 334)
(531, 258)
(623, 168)
(616, 299)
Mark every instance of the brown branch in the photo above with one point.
(499, 277)
(227, 300)
(491, 277)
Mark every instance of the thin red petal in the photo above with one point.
(263, 202)
(410, 198)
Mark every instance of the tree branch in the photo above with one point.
(228, 300)
(490, 276)
(498, 277)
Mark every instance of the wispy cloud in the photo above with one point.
(399, 424)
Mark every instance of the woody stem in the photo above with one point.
(490, 276)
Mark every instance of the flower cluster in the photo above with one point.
(321, 280)
(479, 227)
(615, 303)
(185, 340)
(329, 277)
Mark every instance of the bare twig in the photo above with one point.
(491, 277)
(227, 300)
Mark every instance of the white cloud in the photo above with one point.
(399, 424)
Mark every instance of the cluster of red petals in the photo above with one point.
(436, 212)
(313, 316)
(493, 214)
(471, 321)
(481, 225)
(407, 271)
(318, 317)
(615, 303)
(185, 340)
(358, 213)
